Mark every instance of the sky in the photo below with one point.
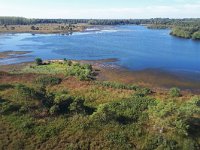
(101, 9)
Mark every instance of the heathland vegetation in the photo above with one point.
(185, 28)
(60, 105)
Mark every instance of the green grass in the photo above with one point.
(82, 72)
(53, 68)
(117, 85)
(48, 80)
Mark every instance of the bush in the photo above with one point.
(68, 62)
(48, 81)
(24, 123)
(77, 106)
(125, 111)
(169, 117)
(62, 98)
(104, 114)
(117, 85)
(175, 92)
(159, 142)
(87, 66)
(54, 110)
(120, 140)
(142, 92)
(26, 92)
(52, 128)
(33, 28)
(5, 86)
(24, 109)
(83, 72)
(9, 108)
(38, 61)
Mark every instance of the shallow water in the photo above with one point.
(136, 48)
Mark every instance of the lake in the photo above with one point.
(135, 48)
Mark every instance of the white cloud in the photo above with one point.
(178, 11)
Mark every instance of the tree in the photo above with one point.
(196, 36)
(38, 61)
(33, 28)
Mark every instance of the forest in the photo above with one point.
(158, 21)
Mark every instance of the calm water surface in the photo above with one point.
(136, 48)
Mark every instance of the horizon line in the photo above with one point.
(105, 18)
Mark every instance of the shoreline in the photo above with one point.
(43, 28)
(13, 54)
(155, 79)
(81, 28)
(56, 29)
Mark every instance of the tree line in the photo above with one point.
(164, 21)
(185, 28)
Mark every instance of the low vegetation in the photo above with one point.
(48, 80)
(66, 68)
(175, 92)
(51, 110)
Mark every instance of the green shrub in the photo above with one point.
(24, 123)
(38, 61)
(77, 106)
(24, 109)
(5, 86)
(54, 110)
(83, 72)
(192, 106)
(175, 92)
(67, 62)
(120, 140)
(48, 80)
(104, 114)
(62, 98)
(9, 108)
(169, 117)
(116, 85)
(159, 142)
(25, 92)
(125, 111)
(52, 128)
(142, 92)
(87, 66)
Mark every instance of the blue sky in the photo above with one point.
(107, 9)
